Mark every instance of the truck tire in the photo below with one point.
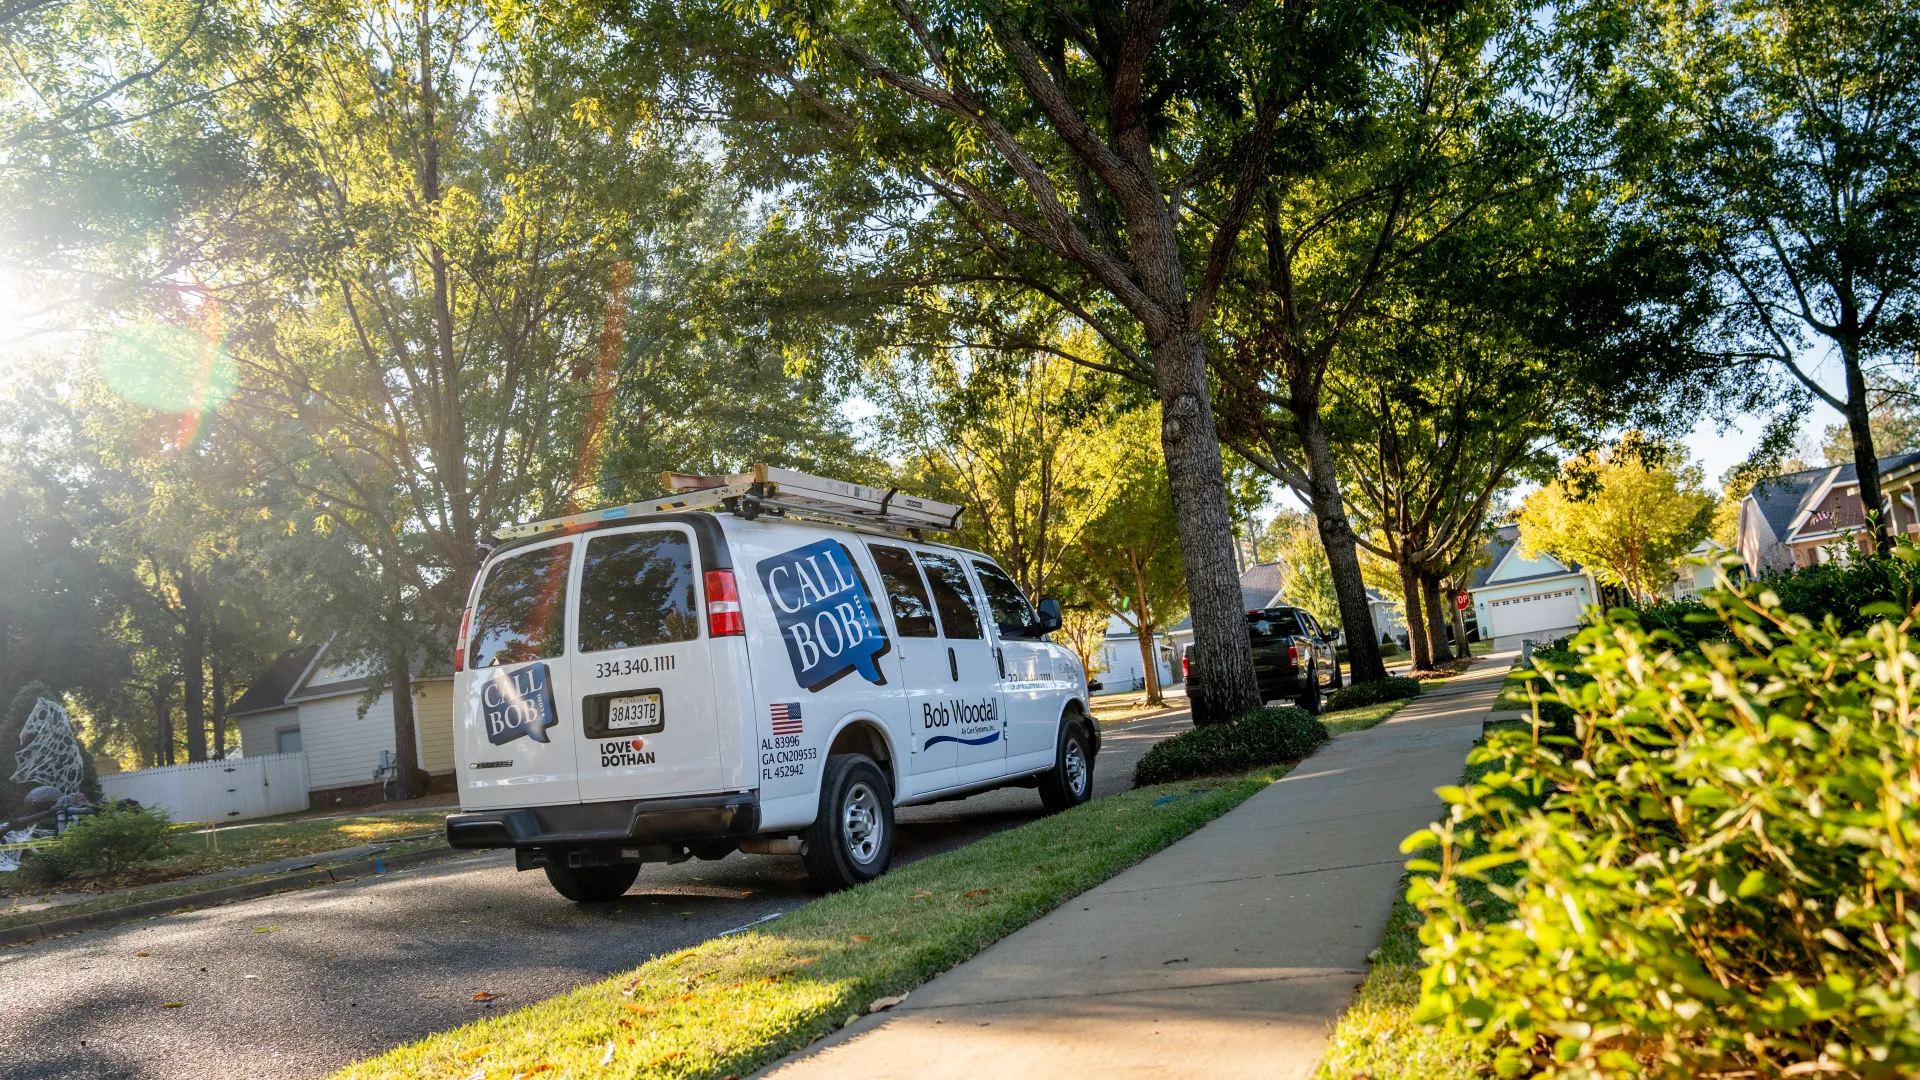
(592, 884)
(1310, 691)
(1070, 782)
(851, 841)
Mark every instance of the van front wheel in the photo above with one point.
(851, 841)
(1070, 782)
(592, 884)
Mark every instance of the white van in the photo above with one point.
(655, 682)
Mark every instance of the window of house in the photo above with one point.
(286, 741)
(522, 613)
(637, 589)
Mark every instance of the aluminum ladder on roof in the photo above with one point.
(786, 492)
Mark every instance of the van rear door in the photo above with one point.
(516, 731)
(650, 697)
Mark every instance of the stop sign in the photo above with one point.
(1461, 601)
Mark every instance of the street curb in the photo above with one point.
(98, 920)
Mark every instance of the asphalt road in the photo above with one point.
(300, 984)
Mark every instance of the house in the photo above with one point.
(304, 703)
(1538, 598)
(1693, 580)
(1389, 615)
(1121, 663)
(1794, 520)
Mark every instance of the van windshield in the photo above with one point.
(522, 613)
(637, 589)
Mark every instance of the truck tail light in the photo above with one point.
(724, 618)
(1186, 667)
(1293, 654)
(460, 645)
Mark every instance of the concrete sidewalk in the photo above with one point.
(1230, 954)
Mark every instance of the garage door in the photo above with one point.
(1550, 610)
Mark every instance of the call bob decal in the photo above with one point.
(825, 613)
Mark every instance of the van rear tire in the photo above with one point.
(851, 840)
(1070, 782)
(592, 884)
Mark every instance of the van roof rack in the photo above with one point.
(785, 492)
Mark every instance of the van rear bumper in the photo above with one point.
(634, 821)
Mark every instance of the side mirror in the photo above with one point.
(1049, 615)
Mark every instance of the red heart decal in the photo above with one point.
(639, 744)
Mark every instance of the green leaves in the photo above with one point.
(1723, 876)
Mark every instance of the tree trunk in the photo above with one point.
(1416, 622)
(1222, 652)
(1336, 538)
(1436, 618)
(406, 754)
(1866, 461)
(162, 695)
(219, 712)
(1150, 673)
(193, 663)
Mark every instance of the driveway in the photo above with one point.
(300, 984)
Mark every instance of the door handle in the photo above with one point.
(953, 665)
(1000, 658)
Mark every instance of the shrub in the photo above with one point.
(1261, 737)
(1721, 880)
(1391, 688)
(115, 838)
(42, 867)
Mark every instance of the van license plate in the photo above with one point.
(638, 711)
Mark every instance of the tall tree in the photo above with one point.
(1103, 157)
(1779, 140)
(1029, 444)
(1128, 562)
(1627, 513)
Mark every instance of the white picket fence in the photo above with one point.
(230, 790)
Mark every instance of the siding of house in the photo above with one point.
(257, 732)
(1759, 547)
(433, 720)
(342, 748)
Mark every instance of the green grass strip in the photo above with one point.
(1377, 1037)
(732, 1004)
(1361, 718)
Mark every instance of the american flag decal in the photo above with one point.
(786, 718)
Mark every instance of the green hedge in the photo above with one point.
(1261, 737)
(1841, 590)
(1722, 880)
(1391, 688)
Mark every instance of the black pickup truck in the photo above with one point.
(1293, 657)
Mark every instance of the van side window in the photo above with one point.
(912, 611)
(952, 596)
(1011, 612)
(637, 589)
(522, 613)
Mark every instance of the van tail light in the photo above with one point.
(723, 606)
(460, 646)
(1293, 654)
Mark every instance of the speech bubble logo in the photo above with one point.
(517, 703)
(825, 613)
